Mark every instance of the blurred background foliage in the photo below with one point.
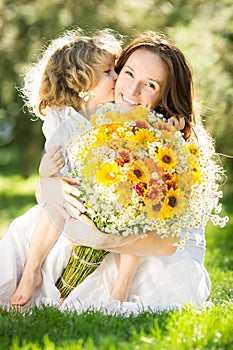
(203, 29)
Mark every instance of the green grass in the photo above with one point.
(48, 328)
(191, 328)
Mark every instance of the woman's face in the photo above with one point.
(142, 80)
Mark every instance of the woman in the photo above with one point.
(154, 73)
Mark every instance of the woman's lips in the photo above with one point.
(127, 100)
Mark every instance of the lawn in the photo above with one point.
(191, 328)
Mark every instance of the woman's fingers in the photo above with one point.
(70, 196)
(73, 211)
(60, 163)
(70, 199)
(71, 180)
(58, 159)
(58, 193)
(57, 156)
(53, 150)
(85, 220)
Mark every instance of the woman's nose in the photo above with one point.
(135, 88)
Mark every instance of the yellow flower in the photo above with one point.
(91, 166)
(108, 174)
(115, 117)
(111, 128)
(185, 181)
(142, 136)
(193, 149)
(152, 209)
(166, 158)
(196, 172)
(124, 189)
(136, 174)
(101, 136)
(137, 113)
(175, 204)
(169, 204)
(167, 131)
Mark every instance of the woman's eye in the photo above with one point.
(108, 71)
(152, 86)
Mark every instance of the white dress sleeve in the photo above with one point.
(65, 126)
(52, 122)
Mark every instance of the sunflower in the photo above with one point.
(108, 174)
(181, 204)
(136, 174)
(166, 158)
(152, 208)
(142, 136)
(169, 205)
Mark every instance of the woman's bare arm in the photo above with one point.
(59, 198)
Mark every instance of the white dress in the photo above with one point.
(160, 282)
(15, 245)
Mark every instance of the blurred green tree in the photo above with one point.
(203, 29)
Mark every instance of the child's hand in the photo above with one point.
(177, 121)
(52, 162)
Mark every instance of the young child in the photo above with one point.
(73, 64)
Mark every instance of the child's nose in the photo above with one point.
(115, 75)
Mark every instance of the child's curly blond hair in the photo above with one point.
(72, 63)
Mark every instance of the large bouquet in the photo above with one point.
(138, 175)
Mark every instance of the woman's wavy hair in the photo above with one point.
(71, 64)
(178, 98)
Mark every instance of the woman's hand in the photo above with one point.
(52, 162)
(60, 195)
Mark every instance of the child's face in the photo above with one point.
(142, 80)
(105, 89)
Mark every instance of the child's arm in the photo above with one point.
(177, 121)
(52, 162)
(127, 269)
